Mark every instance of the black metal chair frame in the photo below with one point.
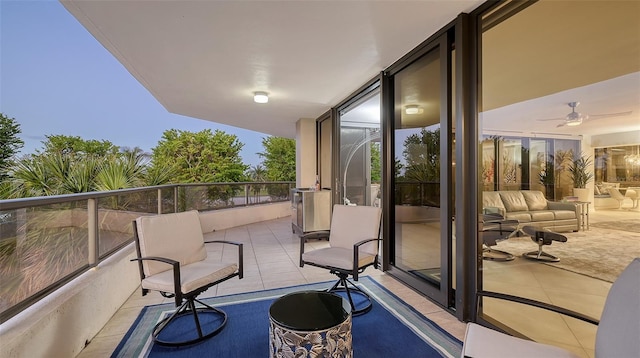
(496, 228)
(542, 237)
(185, 301)
(344, 284)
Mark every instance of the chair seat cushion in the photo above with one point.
(337, 257)
(480, 341)
(192, 276)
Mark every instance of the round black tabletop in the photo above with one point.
(309, 310)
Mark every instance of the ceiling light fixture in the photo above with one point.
(412, 109)
(260, 97)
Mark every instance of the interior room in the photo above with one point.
(549, 97)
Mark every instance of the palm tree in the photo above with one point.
(257, 173)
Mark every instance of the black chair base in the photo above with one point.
(540, 256)
(496, 255)
(345, 285)
(542, 237)
(189, 308)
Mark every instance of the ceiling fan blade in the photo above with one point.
(551, 119)
(560, 125)
(609, 115)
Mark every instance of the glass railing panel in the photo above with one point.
(275, 192)
(168, 200)
(40, 246)
(115, 216)
(208, 197)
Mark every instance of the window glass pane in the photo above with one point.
(548, 99)
(417, 237)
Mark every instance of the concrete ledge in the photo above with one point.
(227, 218)
(60, 324)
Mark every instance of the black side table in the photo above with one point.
(310, 324)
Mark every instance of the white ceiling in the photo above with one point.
(203, 59)
(621, 94)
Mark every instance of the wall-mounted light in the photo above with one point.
(412, 109)
(260, 97)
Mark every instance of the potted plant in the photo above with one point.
(581, 176)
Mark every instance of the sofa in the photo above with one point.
(530, 207)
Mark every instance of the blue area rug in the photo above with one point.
(391, 329)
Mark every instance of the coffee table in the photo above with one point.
(310, 323)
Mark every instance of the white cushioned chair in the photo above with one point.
(353, 246)
(173, 260)
(616, 194)
(618, 333)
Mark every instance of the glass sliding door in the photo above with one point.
(542, 107)
(422, 237)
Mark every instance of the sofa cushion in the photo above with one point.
(521, 216)
(564, 214)
(491, 199)
(542, 215)
(535, 199)
(513, 201)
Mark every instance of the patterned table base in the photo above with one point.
(333, 342)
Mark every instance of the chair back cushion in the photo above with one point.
(619, 329)
(351, 224)
(175, 236)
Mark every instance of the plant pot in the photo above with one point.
(583, 194)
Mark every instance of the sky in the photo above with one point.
(56, 79)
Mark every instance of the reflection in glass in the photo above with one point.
(360, 151)
(417, 169)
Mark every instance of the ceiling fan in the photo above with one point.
(576, 118)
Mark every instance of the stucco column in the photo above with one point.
(305, 152)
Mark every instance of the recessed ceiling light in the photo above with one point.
(260, 97)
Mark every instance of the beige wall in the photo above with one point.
(615, 139)
(305, 153)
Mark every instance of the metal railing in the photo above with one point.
(45, 242)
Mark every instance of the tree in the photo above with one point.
(422, 155)
(279, 158)
(76, 146)
(10, 144)
(202, 157)
(376, 169)
(257, 173)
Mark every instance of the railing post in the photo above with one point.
(159, 201)
(175, 199)
(246, 194)
(92, 229)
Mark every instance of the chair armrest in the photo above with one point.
(555, 205)
(177, 291)
(311, 235)
(240, 254)
(543, 305)
(356, 255)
